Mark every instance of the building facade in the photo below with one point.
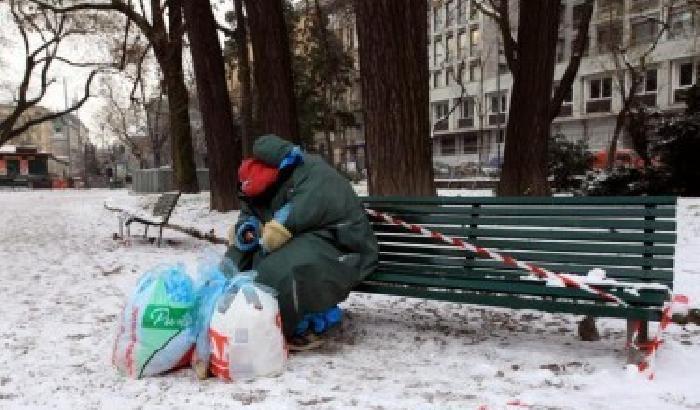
(470, 83)
(64, 138)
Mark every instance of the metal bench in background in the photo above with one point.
(161, 214)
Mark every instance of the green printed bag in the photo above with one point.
(155, 333)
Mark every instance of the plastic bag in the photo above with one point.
(155, 331)
(239, 328)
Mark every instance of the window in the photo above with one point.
(448, 145)
(440, 111)
(462, 10)
(578, 13)
(462, 43)
(469, 144)
(502, 68)
(608, 8)
(437, 79)
(450, 77)
(599, 95)
(474, 71)
(467, 108)
(650, 82)
(644, 31)
(437, 19)
(450, 12)
(473, 11)
(685, 75)
(438, 51)
(609, 35)
(600, 88)
(498, 103)
(451, 48)
(560, 50)
(474, 36)
(575, 44)
(682, 24)
(462, 74)
(637, 6)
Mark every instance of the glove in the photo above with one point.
(250, 225)
(274, 235)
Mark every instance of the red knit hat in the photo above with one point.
(256, 176)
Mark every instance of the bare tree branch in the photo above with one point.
(574, 61)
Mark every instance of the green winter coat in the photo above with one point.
(332, 248)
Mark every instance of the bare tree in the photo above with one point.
(162, 25)
(632, 60)
(51, 29)
(531, 58)
(126, 122)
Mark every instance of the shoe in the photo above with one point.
(304, 343)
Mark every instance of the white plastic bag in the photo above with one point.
(245, 334)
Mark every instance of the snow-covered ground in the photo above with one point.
(63, 280)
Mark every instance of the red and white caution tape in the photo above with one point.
(646, 364)
(563, 279)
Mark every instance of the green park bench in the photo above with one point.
(631, 238)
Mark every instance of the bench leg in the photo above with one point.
(637, 335)
(145, 231)
(160, 236)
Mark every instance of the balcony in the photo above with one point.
(566, 110)
(496, 119)
(465, 122)
(441, 125)
(596, 106)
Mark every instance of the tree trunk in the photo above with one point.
(525, 166)
(244, 80)
(180, 132)
(168, 52)
(272, 69)
(395, 96)
(223, 141)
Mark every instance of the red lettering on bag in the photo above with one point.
(130, 348)
(218, 363)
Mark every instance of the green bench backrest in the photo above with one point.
(632, 238)
(165, 205)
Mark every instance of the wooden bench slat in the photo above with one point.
(525, 200)
(579, 269)
(661, 277)
(536, 256)
(558, 246)
(541, 234)
(644, 297)
(538, 222)
(628, 212)
(514, 302)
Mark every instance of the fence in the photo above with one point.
(162, 180)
